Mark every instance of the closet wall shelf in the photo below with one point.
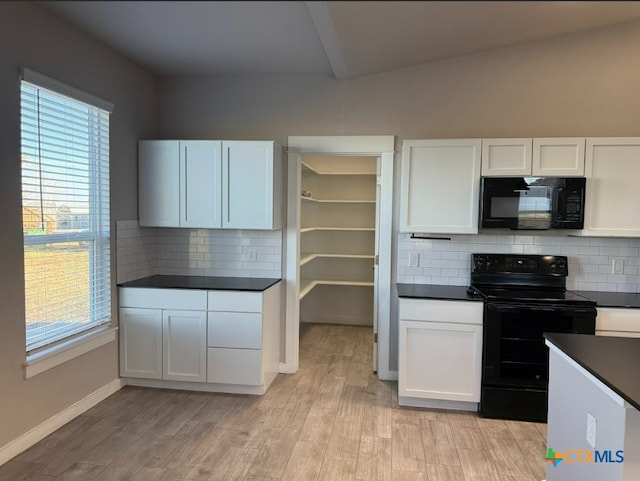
(306, 169)
(338, 201)
(306, 258)
(308, 284)
(354, 229)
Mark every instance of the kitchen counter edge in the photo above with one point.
(435, 291)
(213, 283)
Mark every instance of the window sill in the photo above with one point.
(50, 358)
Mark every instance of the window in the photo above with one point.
(65, 210)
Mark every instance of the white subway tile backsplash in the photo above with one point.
(590, 258)
(145, 251)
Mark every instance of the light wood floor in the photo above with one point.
(333, 420)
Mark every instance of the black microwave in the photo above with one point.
(532, 203)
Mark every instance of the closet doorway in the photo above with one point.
(338, 240)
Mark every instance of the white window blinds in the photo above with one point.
(65, 211)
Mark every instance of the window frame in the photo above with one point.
(52, 351)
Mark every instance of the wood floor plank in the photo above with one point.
(407, 448)
(338, 470)
(440, 472)
(344, 441)
(477, 465)
(305, 462)
(81, 472)
(272, 458)
(374, 459)
(468, 438)
(444, 454)
(436, 432)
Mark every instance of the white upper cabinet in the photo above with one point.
(555, 156)
(210, 184)
(201, 184)
(440, 186)
(612, 169)
(506, 157)
(251, 187)
(558, 157)
(159, 183)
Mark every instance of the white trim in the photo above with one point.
(41, 80)
(381, 146)
(56, 355)
(31, 437)
(572, 362)
(366, 145)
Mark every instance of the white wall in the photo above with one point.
(582, 84)
(34, 39)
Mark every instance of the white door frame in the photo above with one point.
(381, 146)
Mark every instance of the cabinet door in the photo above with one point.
(249, 190)
(439, 360)
(141, 343)
(612, 169)
(558, 157)
(200, 183)
(185, 345)
(159, 183)
(506, 157)
(440, 186)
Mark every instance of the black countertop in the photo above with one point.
(613, 360)
(431, 291)
(203, 282)
(613, 299)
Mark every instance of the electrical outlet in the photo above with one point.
(591, 430)
(617, 265)
(253, 254)
(414, 260)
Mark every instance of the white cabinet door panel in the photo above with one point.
(201, 185)
(141, 343)
(247, 185)
(159, 183)
(506, 157)
(184, 339)
(234, 366)
(440, 361)
(235, 329)
(440, 186)
(558, 157)
(612, 168)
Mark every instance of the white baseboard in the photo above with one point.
(28, 439)
(437, 404)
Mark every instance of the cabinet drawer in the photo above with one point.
(234, 366)
(153, 298)
(458, 312)
(235, 329)
(238, 301)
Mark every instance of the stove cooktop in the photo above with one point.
(530, 294)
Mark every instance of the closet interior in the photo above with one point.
(338, 240)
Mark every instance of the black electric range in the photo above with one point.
(524, 297)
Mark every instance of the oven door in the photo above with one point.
(514, 352)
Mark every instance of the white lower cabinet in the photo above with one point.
(223, 341)
(440, 353)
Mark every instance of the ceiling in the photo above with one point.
(344, 39)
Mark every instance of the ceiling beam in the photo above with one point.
(326, 31)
